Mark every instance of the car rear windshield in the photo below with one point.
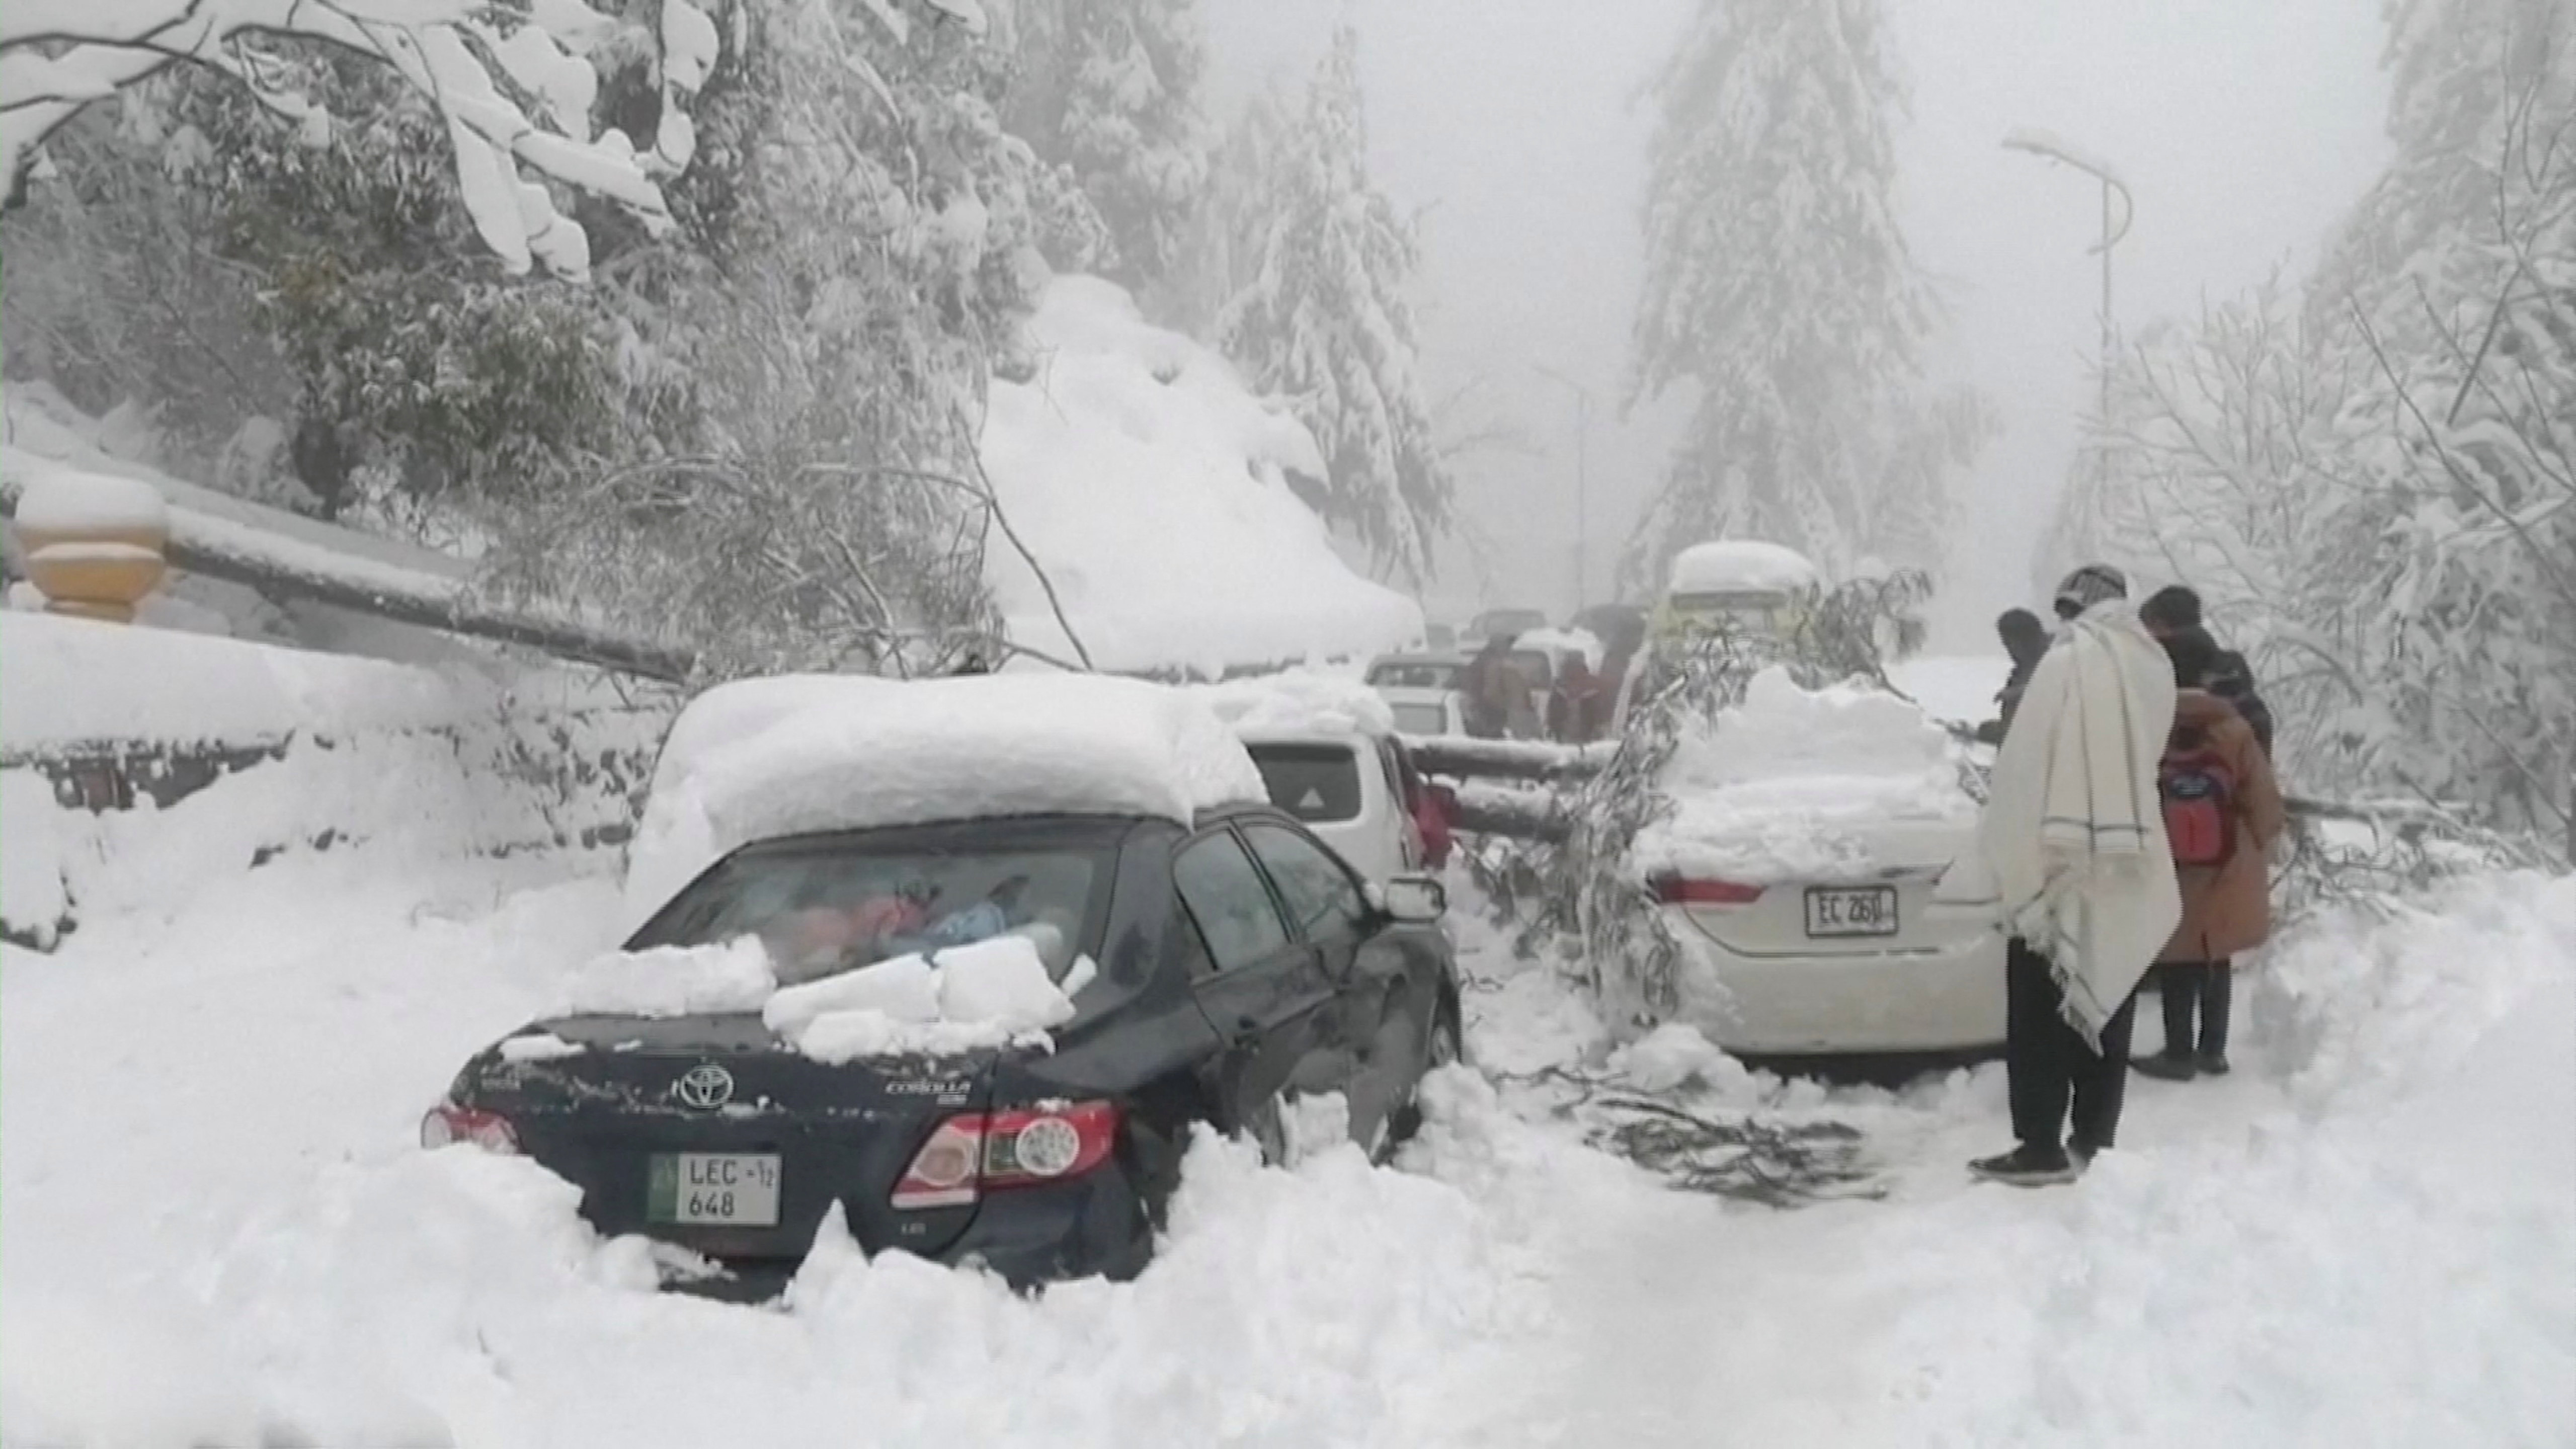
(1415, 674)
(834, 906)
(1535, 666)
(1318, 784)
(1420, 719)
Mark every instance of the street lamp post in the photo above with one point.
(2040, 143)
(1582, 486)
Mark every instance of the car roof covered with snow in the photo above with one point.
(1298, 705)
(1734, 564)
(797, 755)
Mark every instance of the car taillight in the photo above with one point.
(448, 1124)
(1681, 890)
(991, 1151)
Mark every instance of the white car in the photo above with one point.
(1796, 875)
(1425, 711)
(1350, 789)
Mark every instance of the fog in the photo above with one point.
(1517, 132)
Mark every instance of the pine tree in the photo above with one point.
(1109, 89)
(1321, 317)
(1780, 286)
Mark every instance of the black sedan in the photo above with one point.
(1236, 964)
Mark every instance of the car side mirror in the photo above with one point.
(1414, 899)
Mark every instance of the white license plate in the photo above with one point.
(723, 1189)
(1851, 911)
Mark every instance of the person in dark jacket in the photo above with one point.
(2223, 812)
(2025, 639)
(2176, 609)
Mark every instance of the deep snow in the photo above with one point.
(219, 1229)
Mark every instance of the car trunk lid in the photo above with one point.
(710, 1133)
(1877, 899)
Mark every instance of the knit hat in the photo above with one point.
(2088, 586)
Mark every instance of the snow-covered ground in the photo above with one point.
(218, 1230)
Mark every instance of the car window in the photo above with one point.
(1420, 719)
(1322, 898)
(1414, 674)
(832, 908)
(1535, 666)
(1225, 897)
(1318, 783)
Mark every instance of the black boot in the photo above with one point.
(2028, 1166)
(2217, 1004)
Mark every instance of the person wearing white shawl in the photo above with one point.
(2071, 857)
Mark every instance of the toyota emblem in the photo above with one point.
(705, 1086)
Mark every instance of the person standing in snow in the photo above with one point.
(2071, 857)
(2222, 814)
(2025, 639)
(2175, 609)
(1496, 691)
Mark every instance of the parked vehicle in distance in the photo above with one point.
(1212, 959)
(1440, 636)
(1740, 585)
(1349, 789)
(1426, 670)
(1425, 711)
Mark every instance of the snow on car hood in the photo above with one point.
(1841, 783)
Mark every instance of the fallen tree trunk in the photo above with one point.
(1503, 810)
(1461, 757)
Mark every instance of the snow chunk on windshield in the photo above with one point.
(1299, 702)
(993, 993)
(673, 981)
(764, 759)
(1795, 784)
(1740, 564)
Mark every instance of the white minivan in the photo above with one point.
(1351, 789)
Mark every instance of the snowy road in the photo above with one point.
(219, 1232)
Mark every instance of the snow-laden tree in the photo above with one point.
(2375, 482)
(1110, 90)
(1779, 287)
(513, 84)
(1319, 314)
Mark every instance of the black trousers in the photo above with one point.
(2205, 987)
(2048, 1066)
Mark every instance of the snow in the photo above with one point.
(960, 998)
(1731, 564)
(672, 981)
(539, 1046)
(1953, 687)
(1794, 784)
(802, 756)
(32, 900)
(1150, 485)
(64, 501)
(1298, 703)
(65, 681)
(2363, 1237)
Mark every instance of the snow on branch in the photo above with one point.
(485, 66)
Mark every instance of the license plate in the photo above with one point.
(725, 1189)
(1851, 910)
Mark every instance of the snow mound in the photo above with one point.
(1150, 484)
(68, 501)
(1299, 702)
(672, 981)
(1798, 784)
(995, 992)
(1740, 564)
(763, 759)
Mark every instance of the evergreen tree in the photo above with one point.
(1780, 287)
(1109, 90)
(1320, 316)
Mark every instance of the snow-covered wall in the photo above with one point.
(140, 766)
(1149, 483)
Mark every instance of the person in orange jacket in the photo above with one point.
(2223, 812)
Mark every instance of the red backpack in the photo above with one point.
(2199, 791)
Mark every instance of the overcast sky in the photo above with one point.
(1517, 129)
